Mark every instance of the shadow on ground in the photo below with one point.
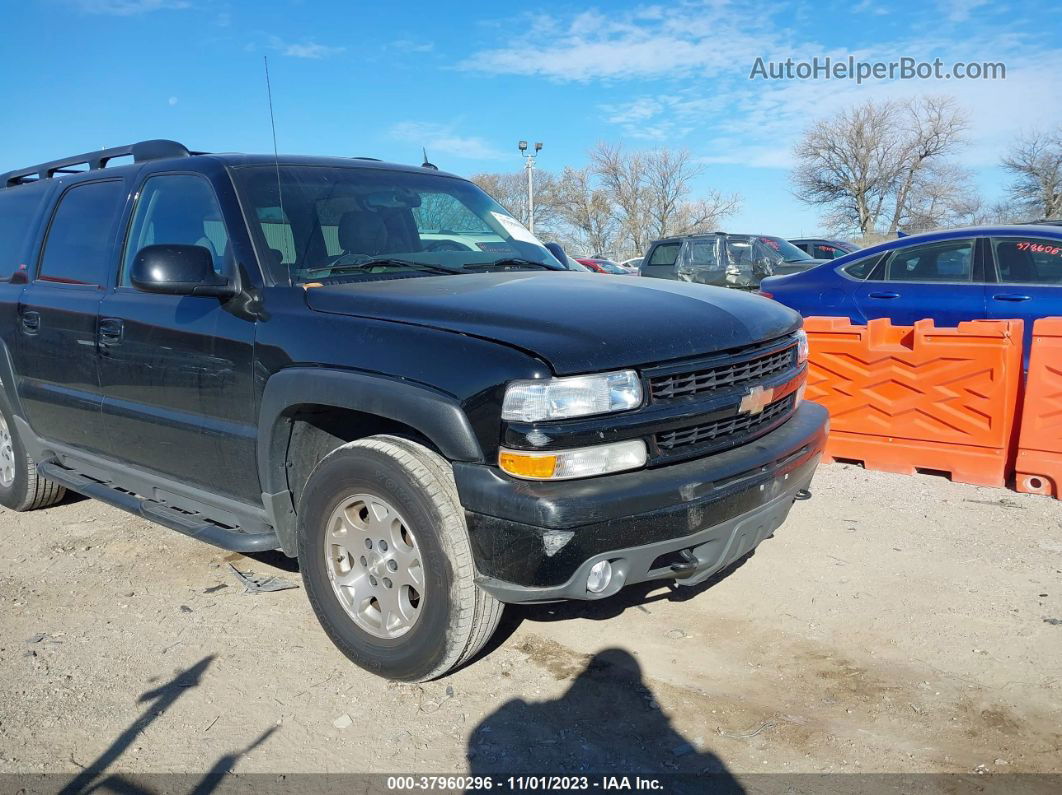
(94, 776)
(607, 723)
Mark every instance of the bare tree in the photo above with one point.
(847, 164)
(931, 126)
(653, 194)
(623, 176)
(1036, 165)
(617, 204)
(872, 156)
(668, 174)
(510, 191)
(588, 210)
(703, 215)
(940, 195)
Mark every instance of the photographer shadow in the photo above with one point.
(607, 724)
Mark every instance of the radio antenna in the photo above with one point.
(273, 125)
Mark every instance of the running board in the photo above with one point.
(187, 524)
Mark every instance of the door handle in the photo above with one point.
(31, 321)
(110, 331)
(884, 295)
(1011, 297)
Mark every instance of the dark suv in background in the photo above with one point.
(377, 369)
(724, 259)
(824, 249)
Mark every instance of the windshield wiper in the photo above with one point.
(389, 262)
(509, 262)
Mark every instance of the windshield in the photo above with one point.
(320, 222)
(779, 249)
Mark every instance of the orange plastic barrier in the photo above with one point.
(1039, 462)
(905, 398)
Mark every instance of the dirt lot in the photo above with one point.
(893, 624)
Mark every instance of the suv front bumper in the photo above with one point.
(536, 541)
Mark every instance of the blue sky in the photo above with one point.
(468, 79)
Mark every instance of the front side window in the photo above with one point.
(180, 209)
(826, 251)
(80, 240)
(1023, 260)
(319, 222)
(947, 261)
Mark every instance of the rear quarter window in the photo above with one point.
(79, 247)
(863, 268)
(664, 254)
(18, 212)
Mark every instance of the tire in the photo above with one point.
(407, 609)
(21, 488)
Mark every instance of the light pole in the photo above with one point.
(529, 164)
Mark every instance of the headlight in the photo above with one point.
(578, 396)
(802, 346)
(581, 463)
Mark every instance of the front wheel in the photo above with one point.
(386, 561)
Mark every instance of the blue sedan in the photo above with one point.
(961, 274)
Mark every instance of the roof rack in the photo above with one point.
(158, 149)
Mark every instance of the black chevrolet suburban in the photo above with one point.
(376, 369)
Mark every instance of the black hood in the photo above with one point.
(576, 322)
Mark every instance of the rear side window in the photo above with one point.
(1023, 260)
(947, 261)
(18, 209)
(664, 254)
(79, 245)
(825, 251)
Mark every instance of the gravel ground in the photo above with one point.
(893, 624)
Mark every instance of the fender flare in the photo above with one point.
(436, 415)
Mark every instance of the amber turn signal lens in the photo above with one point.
(528, 466)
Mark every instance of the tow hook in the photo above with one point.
(688, 566)
(803, 494)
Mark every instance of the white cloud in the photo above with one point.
(412, 46)
(960, 10)
(662, 118)
(869, 7)
(172, 101)
(652, 41)
(128, 8)
(444, 139)
(305, 49)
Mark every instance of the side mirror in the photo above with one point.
(558, 253)
(173, 269)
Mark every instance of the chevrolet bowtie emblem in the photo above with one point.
(756, 400)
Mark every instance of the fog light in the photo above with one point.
(600, 577)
